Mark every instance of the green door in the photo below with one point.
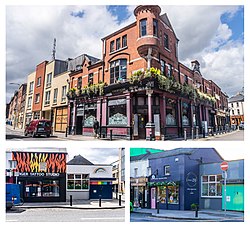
(235, 197)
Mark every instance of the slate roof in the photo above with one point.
(79, 160)
(237, 97)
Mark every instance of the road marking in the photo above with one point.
(114, 218)
(11, 220)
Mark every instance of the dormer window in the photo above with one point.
(78, 67)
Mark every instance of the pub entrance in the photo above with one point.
(142, 121)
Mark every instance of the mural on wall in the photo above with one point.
(40, 162)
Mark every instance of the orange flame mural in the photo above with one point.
(30, 162)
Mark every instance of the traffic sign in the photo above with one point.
(224, 166)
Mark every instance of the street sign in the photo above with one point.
(224, 166)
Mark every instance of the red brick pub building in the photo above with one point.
(139, 89)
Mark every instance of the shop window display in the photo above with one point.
(173, 194)
(162, 194)
(45, 188)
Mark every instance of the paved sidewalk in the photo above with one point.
(62, 136)
(211, 215)
(76, 204)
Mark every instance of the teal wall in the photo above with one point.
(235, 192)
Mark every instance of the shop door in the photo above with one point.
(142, 121)
(79, 120)
(153, 198)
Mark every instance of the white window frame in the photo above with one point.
(216, 182)
(64, 88)
(47, 98)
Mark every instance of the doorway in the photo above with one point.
(142, 121)
(79, 120)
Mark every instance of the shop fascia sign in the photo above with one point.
(38, 174)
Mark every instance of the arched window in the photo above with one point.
(118, 70)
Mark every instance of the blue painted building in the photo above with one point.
(212, 186)
(175, 180)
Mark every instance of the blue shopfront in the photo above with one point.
(101, 187)
(174, 182)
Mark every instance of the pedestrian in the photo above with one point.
(96, 128)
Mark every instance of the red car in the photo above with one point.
(38, 127)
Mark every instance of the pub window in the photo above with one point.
(90, 78)
(124, 41)
(117, 112)
(79, 83)
(163, 67)
(167, 170)
(173, 194)
(170, 70)
(185, 114)
(171, 112)
(186, 79)
(112, 46)
(143, 27)
(118, 43)
(77, 181)
(155, 27)
(89, 115)
(118, 70)
(211, 185)
(166, 42)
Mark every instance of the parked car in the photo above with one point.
(38, 127)
(241, 126)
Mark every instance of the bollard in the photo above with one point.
(203, 131)
(70, 200)
(120, 200)
(111, 132)
(100, 201)
(196, 211)
(158, 207)
(66, 132)
(185, 134)
(197, 132)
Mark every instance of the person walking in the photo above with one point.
(96, 128)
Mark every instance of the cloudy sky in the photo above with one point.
(213, 35)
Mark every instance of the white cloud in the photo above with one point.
(31, 30)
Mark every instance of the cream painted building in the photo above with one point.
(54, 106)
(29, 97)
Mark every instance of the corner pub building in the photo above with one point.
(139, 89)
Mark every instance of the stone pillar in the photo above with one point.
(128, 111)
(150, 127)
